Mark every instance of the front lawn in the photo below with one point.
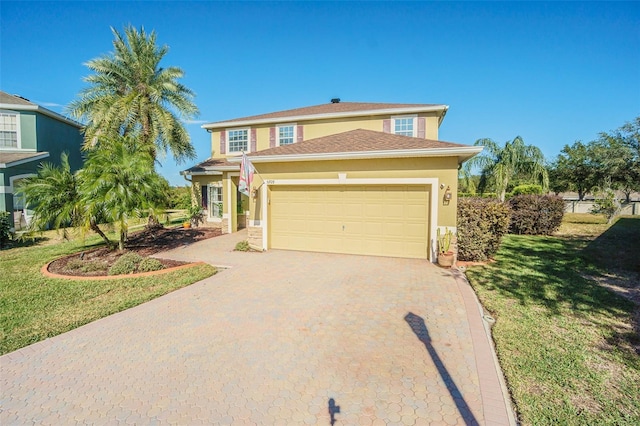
(566, 344)
(33, 308)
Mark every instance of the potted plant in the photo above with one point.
(445, 255)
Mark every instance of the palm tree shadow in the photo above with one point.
(419, 328)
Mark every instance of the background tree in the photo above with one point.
(575, 169)
(618, 155)
(130, 93)
(120, 182)
(499, 166)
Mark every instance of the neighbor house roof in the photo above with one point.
(331, 110)
(10, 159)
(18, 103)
(359, 144)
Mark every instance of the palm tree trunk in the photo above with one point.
(123, 236)
(95, 228)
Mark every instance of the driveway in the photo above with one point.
(280, 337)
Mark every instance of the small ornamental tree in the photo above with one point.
(606, 204)
(481, 224)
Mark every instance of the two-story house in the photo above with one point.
(342, 177)
(29, 134)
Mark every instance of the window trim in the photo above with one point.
(295, 133)
(18, 132)
(217, 186)
(228, 141)
(414, 118)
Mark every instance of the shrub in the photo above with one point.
(150, 264)
(5, 229)
(85, 265)
(481, 224)
(242, 246)
(536, 214)
(526, 190)
(607, 205)
(126, 264)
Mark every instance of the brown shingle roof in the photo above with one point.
(355, 141)
(211, 164)
(7, 158)
(330, 108)
(6, 98)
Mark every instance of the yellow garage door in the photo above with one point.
(379, 220)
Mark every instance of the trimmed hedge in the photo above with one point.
(536, 214)
(481, 224)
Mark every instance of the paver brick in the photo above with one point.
(275, 339)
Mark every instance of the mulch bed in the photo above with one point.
(96, 262)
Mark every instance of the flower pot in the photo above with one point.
(446, 259)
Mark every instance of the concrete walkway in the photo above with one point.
(279, 338)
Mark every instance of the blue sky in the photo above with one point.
(552, 73)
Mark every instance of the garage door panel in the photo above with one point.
(362, 219)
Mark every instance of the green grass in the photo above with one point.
(33, 308)
(567, 345)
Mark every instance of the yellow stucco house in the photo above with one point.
(341, 177)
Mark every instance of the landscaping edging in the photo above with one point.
(45, 271)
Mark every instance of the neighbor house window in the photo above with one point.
(9, 130)
(286, 134)
(215, 200)
(238, 140)
(404, 126)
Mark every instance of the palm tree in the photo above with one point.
(499, 165)
(130, 93)
(119, 183)
(54, 197)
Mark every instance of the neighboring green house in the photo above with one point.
(30, 134)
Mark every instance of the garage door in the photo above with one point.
(379, 220)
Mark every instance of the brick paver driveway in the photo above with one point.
(280, 338)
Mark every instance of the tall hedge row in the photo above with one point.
(536, 214)
(481, 224)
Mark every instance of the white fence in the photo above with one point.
(631, 208)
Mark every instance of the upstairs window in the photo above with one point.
(238, 140)
(286, 134)
(8, 130)
(405, 126)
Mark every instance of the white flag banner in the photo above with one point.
(246, 175)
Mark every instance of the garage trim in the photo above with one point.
(342, 180)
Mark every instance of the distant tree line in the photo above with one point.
(611, 162)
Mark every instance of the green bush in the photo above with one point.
(526, 190)
(242, 246)
(536, 214)
(481, 224)
(5, 229)
(126, 264)
(150, 264)
(607, 205)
